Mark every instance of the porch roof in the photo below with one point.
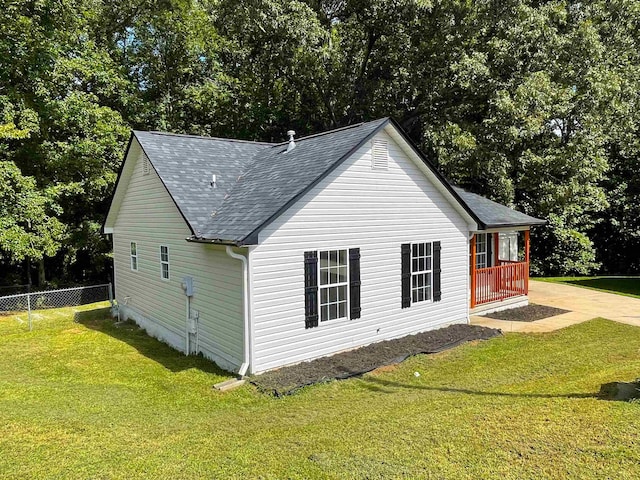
(495, 215)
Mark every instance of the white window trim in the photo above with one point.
(132, 256)
(329, 285)
(163, 262)
(481, 254)
(422, 272)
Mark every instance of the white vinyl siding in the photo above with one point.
(376, 211)
(148, 215)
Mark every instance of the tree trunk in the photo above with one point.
(29, 281)
(41, 275)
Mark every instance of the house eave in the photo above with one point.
(215, 241)
(514, 226)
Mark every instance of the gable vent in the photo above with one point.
(145, 165)
(379, 155)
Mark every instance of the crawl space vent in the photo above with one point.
(379, 155)
(145, 165)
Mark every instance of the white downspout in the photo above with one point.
(245, 308)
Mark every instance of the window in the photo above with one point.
(379, 155)
(421, 272)
(333, 284)
(164, 262)
(481, 250)
(134, 256)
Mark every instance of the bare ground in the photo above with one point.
(287, 380)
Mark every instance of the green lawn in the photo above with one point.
(629, 286)
(90, 400)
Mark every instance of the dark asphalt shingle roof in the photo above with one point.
(255, 182)
(275, 178)
(493, 214)
(185, 164)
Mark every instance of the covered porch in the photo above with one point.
(499, 268)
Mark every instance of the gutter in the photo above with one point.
(245, 309)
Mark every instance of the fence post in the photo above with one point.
(29, 310)
(111, 294)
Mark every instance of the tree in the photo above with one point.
(28, 227)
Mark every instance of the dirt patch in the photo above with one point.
(287, 380)
(530, 313)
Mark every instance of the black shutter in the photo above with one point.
(354, 283)
(437, 289)
(310, 289)
(490, 249)
(406, 275)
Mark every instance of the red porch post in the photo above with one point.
(473, 271)
(526, 259)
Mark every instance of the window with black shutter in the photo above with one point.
(311, 289)
(437, 271)
(421, 273)
(354, 283)
(332, 285)
(406, 275)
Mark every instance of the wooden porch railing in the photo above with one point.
(492, 284)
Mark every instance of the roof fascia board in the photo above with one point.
(213, 242)
(118, 191)
(252, 238)
(511, 228)
(441, 183)
(520, 226)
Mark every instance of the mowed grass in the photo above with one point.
(92, 400)
(629, 286)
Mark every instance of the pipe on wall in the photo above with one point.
(245, 309)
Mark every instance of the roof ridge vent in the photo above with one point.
(292, 144)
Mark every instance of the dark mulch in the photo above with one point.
(287, 380)
(530, 313)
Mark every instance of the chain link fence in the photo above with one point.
(64, 297)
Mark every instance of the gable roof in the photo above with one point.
(256, 182)
(276, 179)
(185, 165)
(495, 215)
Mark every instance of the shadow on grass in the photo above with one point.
(128, 332)
(626, 285)
(377, 384)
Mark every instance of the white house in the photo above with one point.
(261, 255)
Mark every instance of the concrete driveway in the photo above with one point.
(583, 304)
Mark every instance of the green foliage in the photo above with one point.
(28, 228)
(534, 104)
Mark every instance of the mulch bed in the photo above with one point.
(287, 380)
(530, 313)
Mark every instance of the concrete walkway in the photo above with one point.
(583, 304)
